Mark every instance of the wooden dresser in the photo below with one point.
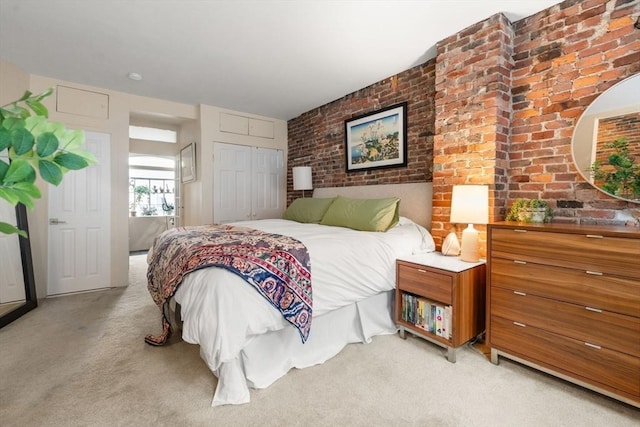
(565, 299)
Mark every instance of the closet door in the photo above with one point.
(268, 183)
(248, 183)
(231, 183)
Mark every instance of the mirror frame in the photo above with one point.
(31, 301)
(581, 131)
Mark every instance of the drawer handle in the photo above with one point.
(422, 271)
(588, 344)
(515, 261)
(595, 310)
(520, 293)
(594, 236)
(517, 230)
(522, 325)
(594, 273)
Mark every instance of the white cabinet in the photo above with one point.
(241, 125)
(248, 183)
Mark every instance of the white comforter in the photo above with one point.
(221, 312)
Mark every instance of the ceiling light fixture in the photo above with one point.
(135, 76)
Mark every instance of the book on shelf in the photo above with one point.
(426, 314)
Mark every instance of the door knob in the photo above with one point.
(55, 221)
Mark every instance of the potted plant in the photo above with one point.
(31, 145)
(620, 175)
(139, 192)
(529, 210)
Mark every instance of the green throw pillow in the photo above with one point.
(308, 210)
(363, 214)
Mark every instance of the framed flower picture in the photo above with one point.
(377, 140)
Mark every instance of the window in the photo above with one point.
(151, 185)
(153, 134)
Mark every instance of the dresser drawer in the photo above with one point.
(611, 293)
(599, 366)
(603, 254)
(611, 330)
(426, 282)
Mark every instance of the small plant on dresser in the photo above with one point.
(530, 210)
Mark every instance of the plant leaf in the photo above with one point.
(4, 166)
(19, 171)
(44, 94)
(46, 144)
(10, 229)
(87, 155)
(9, 195)
(5, 138)
(37, 108)
(70, 161)
(28, 188)
(26, 95)
(71, 140)
(11, 123)
(36, 125)
(22, 141)
(50, 172)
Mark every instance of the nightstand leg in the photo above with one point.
(451, 354)
(403, 334)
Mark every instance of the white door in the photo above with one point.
(268, 183)
(79, 224)
(11, 279)
(231, 183)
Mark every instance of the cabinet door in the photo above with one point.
(231, 183)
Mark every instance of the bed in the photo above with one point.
(247, 343)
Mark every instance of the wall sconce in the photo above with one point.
(470, 205)
(302, 179)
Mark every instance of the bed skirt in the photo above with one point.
(270, 356)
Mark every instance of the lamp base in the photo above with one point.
(470, 251)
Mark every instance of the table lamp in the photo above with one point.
(470, 205)
(302, 179)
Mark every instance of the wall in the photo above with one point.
(198, 195)
(316, 138)
(195, 123)
(506, 100)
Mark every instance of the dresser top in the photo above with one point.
(604, 230)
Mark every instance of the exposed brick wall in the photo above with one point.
(565, 57)
(473, 109)
(317, 139)
(624, 126)
(498, 105)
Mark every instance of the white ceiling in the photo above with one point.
(275, 58)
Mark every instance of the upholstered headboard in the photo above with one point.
(415, 198)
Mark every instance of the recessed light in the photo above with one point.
(135, 76)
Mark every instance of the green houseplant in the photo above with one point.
(30, 145)
(620, 175)
(529, 210)
(139, 192)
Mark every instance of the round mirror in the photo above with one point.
(606, 141)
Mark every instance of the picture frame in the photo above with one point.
(377, 140)
(188, 163)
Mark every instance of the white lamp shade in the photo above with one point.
(302, 178)
(470, 204)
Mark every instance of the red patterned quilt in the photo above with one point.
(277, 266)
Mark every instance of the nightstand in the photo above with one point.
(441, 299)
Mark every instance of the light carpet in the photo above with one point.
(80, 360)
